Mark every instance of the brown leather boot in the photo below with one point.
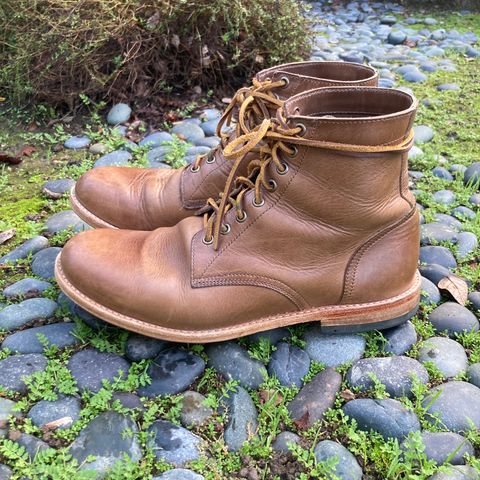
(145, 199)
(323, 229)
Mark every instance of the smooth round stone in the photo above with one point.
(194, 411)
(119, 113)
(117, 157)
(437, 255)
(98, 149)
(453, 318)
(179, 474)
(333, 350)
(346, 465)
(120, 130)
(90, 367)
(31, 246)
(473, 374)
(104, 438)
(415, 152)
(466, 244)
(387, 417)
(472, 174)
(442, 172)
(396, 37)
(138, 347)
(188, 131)
(434, 272)
(5, 472)
(155, 139)
(355, 57)
(396, 373)
(448, 86)
(474, 298)
(400, 339)
(447, 355)
(81, 314)
(27, 287)
(67, 219)
(428, 67)
(458, 472)
(456, 404)
(289, 364)
(386, 83)
(27, 341)
(422, 134)
(315, 397)
(15, 368)
(241, 417)
(17, 315)
(172, 372)
(475, 199)
(445, 197)
(462, 212)
(77, 143)
(210, 114)
(31, 444)
(189, 159)
(388, 20)
(157, 154)
(437, 232)
(56, 188)
(414, 76)
(159, 165)
(210, 142)
(472, 52)
(430, 293)
(442, 447)
(234, 363)
(63, 412)
(457, 167)
(174, 444)
(273, 336)
(435, 52)
(7, 410)
(283, 441)
(448, 220)
(43, 264)
(210, 127)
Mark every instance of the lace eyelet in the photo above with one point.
(242, 218)
(273, 185)
(286, 80)
(255, 204)
(294, 152)
(211, 159)
(194, 169)
(226, 229)
(303, 129)
(207, 242)
(285, 169)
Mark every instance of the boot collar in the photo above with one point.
(359, 115)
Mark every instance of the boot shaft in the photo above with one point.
(340, 198)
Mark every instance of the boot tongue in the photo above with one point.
(304, 76)
(361, 115)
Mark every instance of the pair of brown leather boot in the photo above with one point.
(314, 221)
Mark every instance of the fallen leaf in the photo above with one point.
(457, 287)
(7, 235)
(347, 395)
(26, 151)
(53, 425)
(7, 158)
(303, 422)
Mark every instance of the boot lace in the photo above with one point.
(277, 141)
(252, 105)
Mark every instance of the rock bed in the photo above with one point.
(431, 357)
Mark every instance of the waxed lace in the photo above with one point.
(277, 141)
(252, 104)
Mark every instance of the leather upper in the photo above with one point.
(340, 228)
(144, 199)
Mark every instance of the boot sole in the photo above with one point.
(86, 215)
(333, 319)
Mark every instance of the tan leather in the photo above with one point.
(341, 228)
(145, 199)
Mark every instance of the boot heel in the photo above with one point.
(381, 325)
